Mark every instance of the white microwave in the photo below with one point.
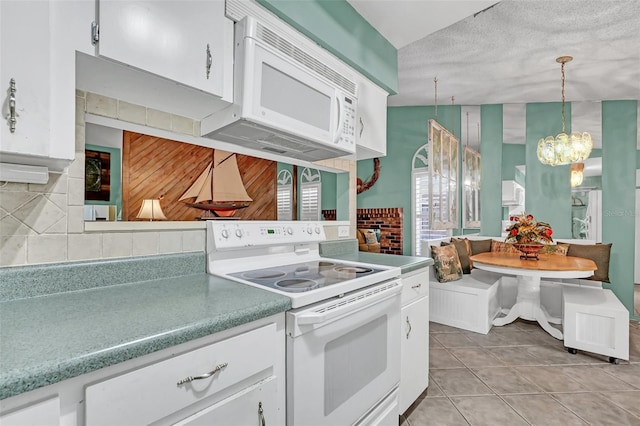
(286, 101)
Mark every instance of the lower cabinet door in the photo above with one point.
(414, 352)
(253, 406)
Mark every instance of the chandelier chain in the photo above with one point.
(562, 71)
(435, 91)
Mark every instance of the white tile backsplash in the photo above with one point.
(13, 250)
(145, 243)
(39, 214)
(102, 105)
(76, 192)
(170, 242)
(132, 113)
(193, 240)
(57, 184)
(75, 219)
(117, 244)
(85, 246)
(12, 200)
(9, 226)
(46, 248)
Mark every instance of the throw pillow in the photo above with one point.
(464, 251)
(446, 263)
(499, 247)
(480, 246)
(559, 249)
(370, 236)
(599, 253)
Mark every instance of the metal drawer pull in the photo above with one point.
(203, 376)
(361, 126)
(11, 117)
(409, 330)
(261, 415)
(209, 61)
(417, 285)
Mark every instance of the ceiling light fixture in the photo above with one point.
(577, 174)
(564, 149)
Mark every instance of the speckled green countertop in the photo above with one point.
(348, 250)
(50, 338)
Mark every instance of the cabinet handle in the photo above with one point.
(409, 325)
(361, 126)
(203, 376)
(209, 61)
(261, 415)
(417, 285)
(11, 117)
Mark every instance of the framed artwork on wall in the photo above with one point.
(97, 175)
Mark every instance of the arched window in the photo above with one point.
(285, 195)
(434, 185)
(310, 194)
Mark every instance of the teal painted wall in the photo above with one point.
(115, 193)
(619, 140)
(491, 149)
(406, 133)
(336, 26)
(548, 193)
(512, 156)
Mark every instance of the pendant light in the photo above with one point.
(564, 149)
(577, 174)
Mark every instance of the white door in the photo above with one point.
(414, 351)
(183, 41)
(371, 127)
(24, 43)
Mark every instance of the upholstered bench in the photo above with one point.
(470, 303)
(595, 320)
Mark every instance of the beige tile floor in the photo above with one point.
(520, 375)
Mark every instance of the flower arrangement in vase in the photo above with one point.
(528, 235)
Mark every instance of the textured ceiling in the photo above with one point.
(506, 54)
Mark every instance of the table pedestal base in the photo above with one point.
(528, 307)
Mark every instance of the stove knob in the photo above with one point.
(290, 230)
(317, 230)
(239, 233)
(309, 231)
(225, 234)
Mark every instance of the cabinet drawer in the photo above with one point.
(151, 393)
(414, 285)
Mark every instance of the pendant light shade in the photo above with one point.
(577, 174)
(563, 148)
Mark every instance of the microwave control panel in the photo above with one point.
(348, 136)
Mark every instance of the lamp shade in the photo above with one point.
(151, 210)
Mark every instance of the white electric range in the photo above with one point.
(343, 333)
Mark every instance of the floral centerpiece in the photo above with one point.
(528, 235)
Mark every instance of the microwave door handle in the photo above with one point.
(341, 118)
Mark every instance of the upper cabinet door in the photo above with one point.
(183, 41)
(24, 35)
(371, 128)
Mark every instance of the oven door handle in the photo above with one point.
(350, 305)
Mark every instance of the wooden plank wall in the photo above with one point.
(152, 167)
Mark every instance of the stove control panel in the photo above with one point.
(235, 234)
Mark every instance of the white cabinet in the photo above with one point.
(414, 348)
(371, 126)
(188, 42)
(38, 41)
(232, 375)
(41, 413)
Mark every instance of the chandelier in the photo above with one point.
(564, 149)
(577, 175)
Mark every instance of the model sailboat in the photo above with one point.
(219, 189)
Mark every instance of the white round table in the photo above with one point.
(529, 272)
